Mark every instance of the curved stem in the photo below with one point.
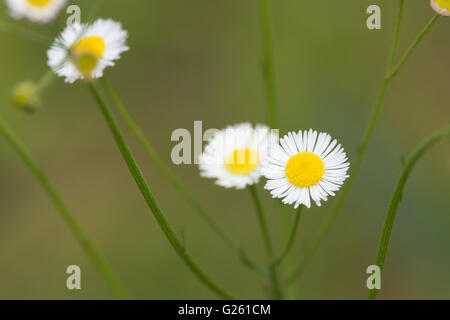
(149, 198)
(266, 237)
(290, 242)
(413, 45)
(248, 262)
(269, 65)
(397, 197)
(365, 143)
(92, 253)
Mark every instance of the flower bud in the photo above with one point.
(26, 97)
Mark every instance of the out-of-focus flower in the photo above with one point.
(35, 10)
(83, 51)
(25, 96)
(234, 155)
(441, 6)
(306, 165)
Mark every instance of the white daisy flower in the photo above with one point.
(234, 155)
(306, 165)
(35, 10)
(83, 51)
(441, 6)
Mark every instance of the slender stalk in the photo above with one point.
(276, 289)
(290, 242)
(149, 198)
(24, 32)
(271, 94)
(269, 65)
(45, 81)
(287, 264)
(262, 221)
(248, 262)
(276, 286)
(389, 75)
(397, 197)
(68, 217)
(413, 45)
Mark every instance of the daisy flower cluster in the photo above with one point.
(301, 169)
(298, 167)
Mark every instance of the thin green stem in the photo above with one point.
(363, 148)
(361, 153)
(276, 289)
(276, 286)
(413, 45)
(262, 221)
(248, 262)
(45, 81)
(149, 198)
(24, 32)
(397, 197)
(290, 242)
(287, 265)
(394, 46)
(68, 217)
(270, 86)
(269, 65)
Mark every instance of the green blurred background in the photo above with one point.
(201, 60)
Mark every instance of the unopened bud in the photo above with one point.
(26, 97)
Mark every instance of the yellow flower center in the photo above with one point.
(242, 161)
(39, 3)
(443, 4)
(86, 53)
(305, 169)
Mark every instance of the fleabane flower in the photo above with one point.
(441, 6)
(35, 10)
(83, 51)
(234, 155)
(306, 166)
